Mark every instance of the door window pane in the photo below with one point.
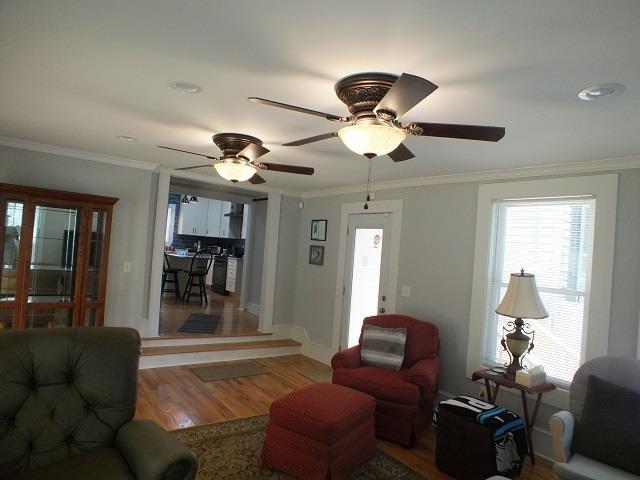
(49, 318)
(6, 319)
(98, 223)
(10, 250)
(54, 254)
(365, 279)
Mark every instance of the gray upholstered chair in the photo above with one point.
(67, 399)
(622, 371)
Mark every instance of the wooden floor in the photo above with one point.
(176, 398)
(233, 321)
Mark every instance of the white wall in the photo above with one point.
(259, 221)
(436, 260)
(131, 234)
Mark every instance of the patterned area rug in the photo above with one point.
(231, 451)
(200, 323)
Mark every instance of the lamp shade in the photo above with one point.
(371, 139)
(235, 171)
(521, 299)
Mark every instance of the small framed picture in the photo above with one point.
(319, 230)
(316, 254)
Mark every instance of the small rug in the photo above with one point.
(225, 371)
(200, 323)
(232, 451)
(322, 375)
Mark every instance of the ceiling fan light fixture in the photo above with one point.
(234, 170)
(371, 139)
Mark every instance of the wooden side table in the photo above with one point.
(493, 382)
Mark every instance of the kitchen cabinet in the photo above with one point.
(213, 217)
(54, 251)
(234, 275)
(193, 218)
(224, 220)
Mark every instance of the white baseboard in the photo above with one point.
(253, 308)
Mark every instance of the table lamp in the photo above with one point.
(520, 301)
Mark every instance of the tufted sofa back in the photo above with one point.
(422, 336)
(63, 392)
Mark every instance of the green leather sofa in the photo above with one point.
(67, 399)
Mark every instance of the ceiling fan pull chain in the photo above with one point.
(366, 203)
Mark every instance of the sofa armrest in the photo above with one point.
(349, 358)
(561, 425)
(425, 374)
(154, 454)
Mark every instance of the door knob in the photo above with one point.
(381, 310)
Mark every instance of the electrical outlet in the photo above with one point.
(127, 267)
(405, 291)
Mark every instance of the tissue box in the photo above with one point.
(524, 377)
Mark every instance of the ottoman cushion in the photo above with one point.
(323, 411)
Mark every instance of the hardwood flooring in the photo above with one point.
(233, 321)
(175, 397)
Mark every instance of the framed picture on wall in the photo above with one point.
(316, 254)
(319, 230)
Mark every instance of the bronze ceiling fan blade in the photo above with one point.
(401, 154)
(286, 106)
(195, 166)
(253, 151)
(186, 151)
(278, 167)
(406, 93)
(256, 179)
(465, 132)
(313, 139)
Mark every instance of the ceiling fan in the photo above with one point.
(375, 102)
(239, 160)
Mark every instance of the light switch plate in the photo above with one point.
(405, 291)
(127, 267)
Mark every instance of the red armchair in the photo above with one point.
(404, 399)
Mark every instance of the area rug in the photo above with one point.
(231, 451)
(200, 323)
(211, 373)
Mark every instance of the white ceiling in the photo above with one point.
(77, 73)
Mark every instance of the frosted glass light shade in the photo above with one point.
(521, 299)
(234, 171)
(376, 139)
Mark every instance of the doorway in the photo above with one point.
(367, 282)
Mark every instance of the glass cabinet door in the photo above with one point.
(53, 266)
(96, 253)
(9, 251)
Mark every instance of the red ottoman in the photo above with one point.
(320, 432)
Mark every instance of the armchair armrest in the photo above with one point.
(425, 374)
(561, 425)
(349, 358)
(154, 454)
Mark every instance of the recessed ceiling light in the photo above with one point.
(602, 90)
(184, 86)
(126, 138)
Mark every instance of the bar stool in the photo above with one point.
(170, 276)
(200, 265)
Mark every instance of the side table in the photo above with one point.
(493, 382)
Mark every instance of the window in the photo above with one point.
(563, 231)
(553, 239)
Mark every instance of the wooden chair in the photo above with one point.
(200, 265)
(170, 276)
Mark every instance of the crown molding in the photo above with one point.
(81, 154)
(621, 163)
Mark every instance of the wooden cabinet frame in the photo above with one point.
(86, 205)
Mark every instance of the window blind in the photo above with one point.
(553, 239)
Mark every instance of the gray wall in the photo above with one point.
(436, 260)
(132, 229)
(259, 224)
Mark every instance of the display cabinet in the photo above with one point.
(55, 250)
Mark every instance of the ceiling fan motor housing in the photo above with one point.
(230, 144)
(362, 92)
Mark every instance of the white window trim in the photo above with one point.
(605, 190)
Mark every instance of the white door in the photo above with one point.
(367, 286)
(213, 218)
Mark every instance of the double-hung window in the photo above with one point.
(560, 230)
